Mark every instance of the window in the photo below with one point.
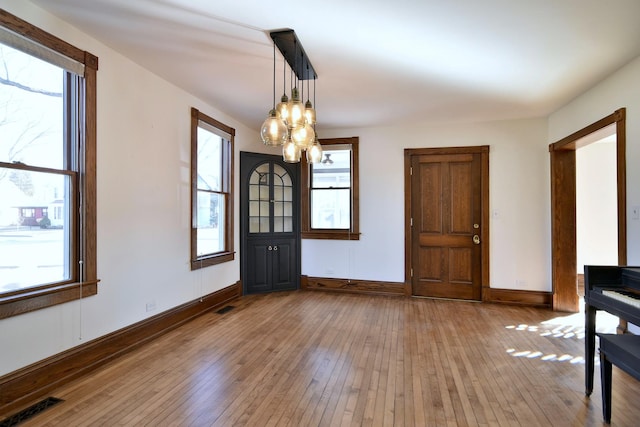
(47, 169)
(330, 195)
(211, 191)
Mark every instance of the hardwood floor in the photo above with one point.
(324, 359)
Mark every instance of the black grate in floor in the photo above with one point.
(223, 310)
(31, 411)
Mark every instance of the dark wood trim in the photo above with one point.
(354, 233)
(571, 142)
(621, 164)
(12, 304)
(486, 224)
(44, 38)
(90, 171)
(34, 299)
(330, 235)
(408, 253)
(563, 231)
(518, 297)
(227, 188)
(21, 387)
(369, 287)
(563, 208)
(580, 285)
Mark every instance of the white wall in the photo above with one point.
(519, 203)
(143, 199)
(143, 206)
(596, 205)
(621, 89)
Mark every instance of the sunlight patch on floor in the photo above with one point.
(569, 326)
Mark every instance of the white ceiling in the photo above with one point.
(378, 62)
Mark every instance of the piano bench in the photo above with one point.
(622, 351)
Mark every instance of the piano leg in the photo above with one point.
(605, 379)
(589, 346)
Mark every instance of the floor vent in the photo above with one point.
(223, 310)
(31, 411)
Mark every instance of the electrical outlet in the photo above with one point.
(635, 212)
(151, 305)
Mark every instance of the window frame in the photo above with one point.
(83, 281)
(353, 233)
(228, 254)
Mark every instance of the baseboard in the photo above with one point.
(580, 278)
(21, 387)
(352, 286)
(518, 297)
(504, 296)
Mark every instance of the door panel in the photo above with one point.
(260, 272)
(446, 201)
(269, 209)
(461, 198)
(284, 271)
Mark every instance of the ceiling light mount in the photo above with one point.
(288, 44)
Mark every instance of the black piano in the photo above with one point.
(615, 290)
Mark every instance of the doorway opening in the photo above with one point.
(564, 203)
(596, 201)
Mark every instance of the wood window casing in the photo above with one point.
(353, 233)
(227, 254)
(83, 281)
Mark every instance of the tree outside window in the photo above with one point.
(47, 169)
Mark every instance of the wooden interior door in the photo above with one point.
(447, 225)
(269, 209)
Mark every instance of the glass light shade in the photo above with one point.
(274, 131)
(314, 153)
(282, 109)
(303, 136)
(309, 113)
(296, 110)
(291, 152)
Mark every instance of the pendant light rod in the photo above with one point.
(291, 49)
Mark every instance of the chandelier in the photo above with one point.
(291, 124)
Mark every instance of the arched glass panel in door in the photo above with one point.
(282, 201)
(270, 200)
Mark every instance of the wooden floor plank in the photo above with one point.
(323, 359)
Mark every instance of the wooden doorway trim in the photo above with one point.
(563, 208)
(484, 188)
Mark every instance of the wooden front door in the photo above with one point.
(269, 209)
(448, 215)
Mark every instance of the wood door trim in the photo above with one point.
(484, 231)
(563, 208)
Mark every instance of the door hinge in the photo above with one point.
(411, 170)
(412, 272)
(411, 222)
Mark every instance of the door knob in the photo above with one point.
(476, 239)
(275, 248)
(270, 248)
